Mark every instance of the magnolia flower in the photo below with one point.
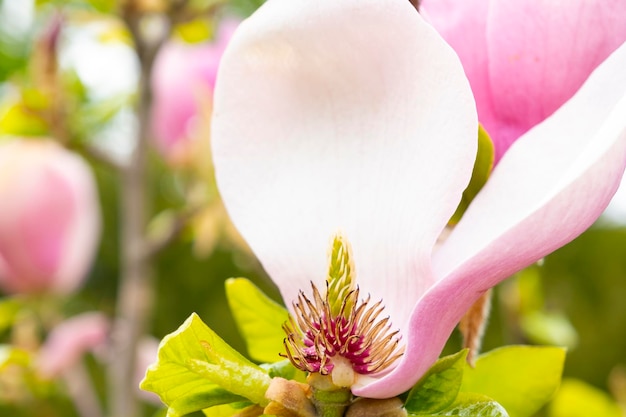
(50, 218)
(524, 59)
(70, 340)
(184, 74)
(355, 117)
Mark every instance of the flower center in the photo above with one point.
(337, 334)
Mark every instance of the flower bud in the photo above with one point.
(50, 219)
(183, 82)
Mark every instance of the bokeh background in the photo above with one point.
(69, 71)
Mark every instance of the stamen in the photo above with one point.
(337, 334)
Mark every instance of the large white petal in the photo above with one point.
(550, 186)
(349, 116)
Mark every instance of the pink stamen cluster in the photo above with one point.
(354, 333)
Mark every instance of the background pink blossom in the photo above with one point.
(50, 218)
(184, 76)
(525, 59)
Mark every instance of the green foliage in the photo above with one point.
(482, 169)
(258, 318)
(21, 120)
(521, 378)
(10, 355)
(439, 387)
(471, 405)
(196, 369)
(9, 308)
(578, 399)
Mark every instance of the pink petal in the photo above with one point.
(49, 222)
(540, 53)
(524, 59)
(463, 24)
(321, 125)
(550, 186)
(70, 340)
(184, 73)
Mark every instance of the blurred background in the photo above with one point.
(71, 73)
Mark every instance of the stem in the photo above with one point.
(329, 400)
(81, 391)
(136, 290)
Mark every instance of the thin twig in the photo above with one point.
(82, 392)
(135, 292)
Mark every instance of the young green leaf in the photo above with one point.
(258, 318)
(10, 355)
(9, 308)
(228, 410)
(196, 369)
(521, 378)
(438, 387)
(284, 369)
(480, 173)
(578, 399)
(471, 405)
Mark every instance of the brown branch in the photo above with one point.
(135, 291)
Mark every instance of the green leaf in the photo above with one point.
(578, 399)
(20, 120)
(284, 369)
(482, 169)
(258, 318)
(227, 410)
(196, 369)
(10, 355)
(9, 307)
(471, 405)
(521, 378)
(438, 388)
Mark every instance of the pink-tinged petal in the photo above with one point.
(184, 74)
(525, 59)
(541, 52)
(320, 126)
(49, 222)
(147, 352)
(463, 24)
(70, 340)
(552, 185)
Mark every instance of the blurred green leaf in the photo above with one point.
(549, 328)
(258, 318)
(578, 399)
(284, 369)
(20, 120)
(196, 369)
(227, 410)
(471, 405)
(482, 168)
(9, 307)
(10, 355)
(195, 31)
(439, 387)
(521, 378)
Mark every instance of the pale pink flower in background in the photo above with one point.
(49, 217)
(70, 340)
(355, 116)
(184, 76)
(147, 353)
(524, 59)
